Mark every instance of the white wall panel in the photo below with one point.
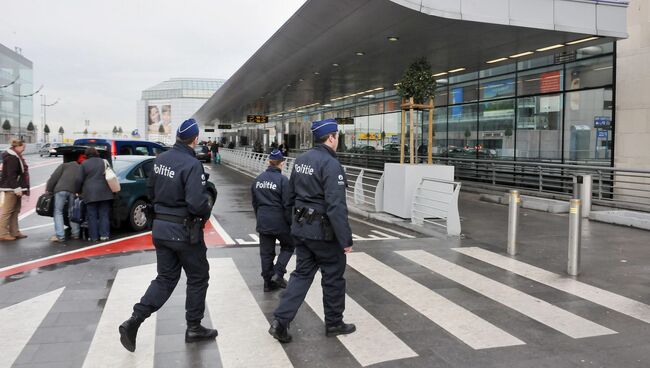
(532, 13)
(493, 11)
(572, 16)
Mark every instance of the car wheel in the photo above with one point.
(139, 217)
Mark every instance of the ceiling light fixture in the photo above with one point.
(456, 70)
(559, 45)
(316, 73)
(582, 40)
(335, 64)
(521, 54)
(393, 38)
(360, 53)
(439, 74)
(497, 60)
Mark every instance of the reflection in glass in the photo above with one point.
(496, 123)
(539, 134)
(588, 127)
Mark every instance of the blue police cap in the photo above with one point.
(324, 127)
(276, 155)
(189, 129)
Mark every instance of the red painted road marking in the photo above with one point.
(129, 244)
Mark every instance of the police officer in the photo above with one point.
(270, 193)
(180, 199)
(322, 232)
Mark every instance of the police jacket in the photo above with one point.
(270, 193)
(318, 182)
(177, 188)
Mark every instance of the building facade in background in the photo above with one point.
(169, 103)
(16, 113)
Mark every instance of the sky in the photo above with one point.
(96, 56)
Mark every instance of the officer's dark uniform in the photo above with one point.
(270, 196)
(177, 190)
(321, 230)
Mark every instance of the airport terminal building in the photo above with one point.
(526, 80)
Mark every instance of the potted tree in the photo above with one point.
(46, 132)
(417, 88)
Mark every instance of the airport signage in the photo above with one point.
(224, 126)
(602, 122)
(257, 119)
(345, 121)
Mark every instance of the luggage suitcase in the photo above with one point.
(45, 205)
(78, 210)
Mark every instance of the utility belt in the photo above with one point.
(193, 224)
(307, 215)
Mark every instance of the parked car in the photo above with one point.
(49, 149)
(131, 204)
(362, 149)
(119, 147)
(203, 153)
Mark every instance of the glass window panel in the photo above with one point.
(462, 129)
(461, 93)
(594, 50)
(538, 81)
(496, 124)
(440, 99)
(439, 145)
(498, 87)
(536, 62)
(539, 128)
(458, 78)
(498, 70)
(588, 127)
(589, 73)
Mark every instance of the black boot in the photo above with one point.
(129, 331)
(270, 285)
(279, 332)
(279, 281)
(195, 332)
(340, 329)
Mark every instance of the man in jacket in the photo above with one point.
(177, 191)
(322, 232)
(270, 193)
(62, 184)
(14, 183)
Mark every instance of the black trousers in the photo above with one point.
(171, 257)
(312, 255)
(267, 254)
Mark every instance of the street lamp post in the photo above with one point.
(20, 97)
(45, 106)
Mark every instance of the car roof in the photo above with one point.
(106, 140)
(132, 158)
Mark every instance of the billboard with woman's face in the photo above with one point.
(159, 119)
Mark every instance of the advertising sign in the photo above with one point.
(159, 119)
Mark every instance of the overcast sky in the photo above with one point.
(97, 56)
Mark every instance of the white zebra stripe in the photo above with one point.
(243, 338)
(372, 343)
(619, 303)
(537, 309)
(466, 326)
(106, 349)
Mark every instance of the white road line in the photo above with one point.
(458, 321)
(255, 237)
(224, 235)
(243, 338)
(26, 214)
(537, 309)
(619, 303)
(20, 321)
(407, 236)
(106, 349)
(73, 251)
(37, 227)
(373, 342)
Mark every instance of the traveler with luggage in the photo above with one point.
(98, 196)
(62, 184)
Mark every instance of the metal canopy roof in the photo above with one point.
(297, 66)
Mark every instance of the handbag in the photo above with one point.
(45, 205)
(78, 210)
(111, 178)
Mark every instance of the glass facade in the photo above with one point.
(183, 88)
(16, 78)
(543, 109)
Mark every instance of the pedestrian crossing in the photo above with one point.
(373, 235)
(242, 316)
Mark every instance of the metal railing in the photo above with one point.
(437, 199)
(611, 186)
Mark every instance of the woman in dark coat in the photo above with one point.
(98, 196)
(14, 184)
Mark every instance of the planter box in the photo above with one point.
(401, 180)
